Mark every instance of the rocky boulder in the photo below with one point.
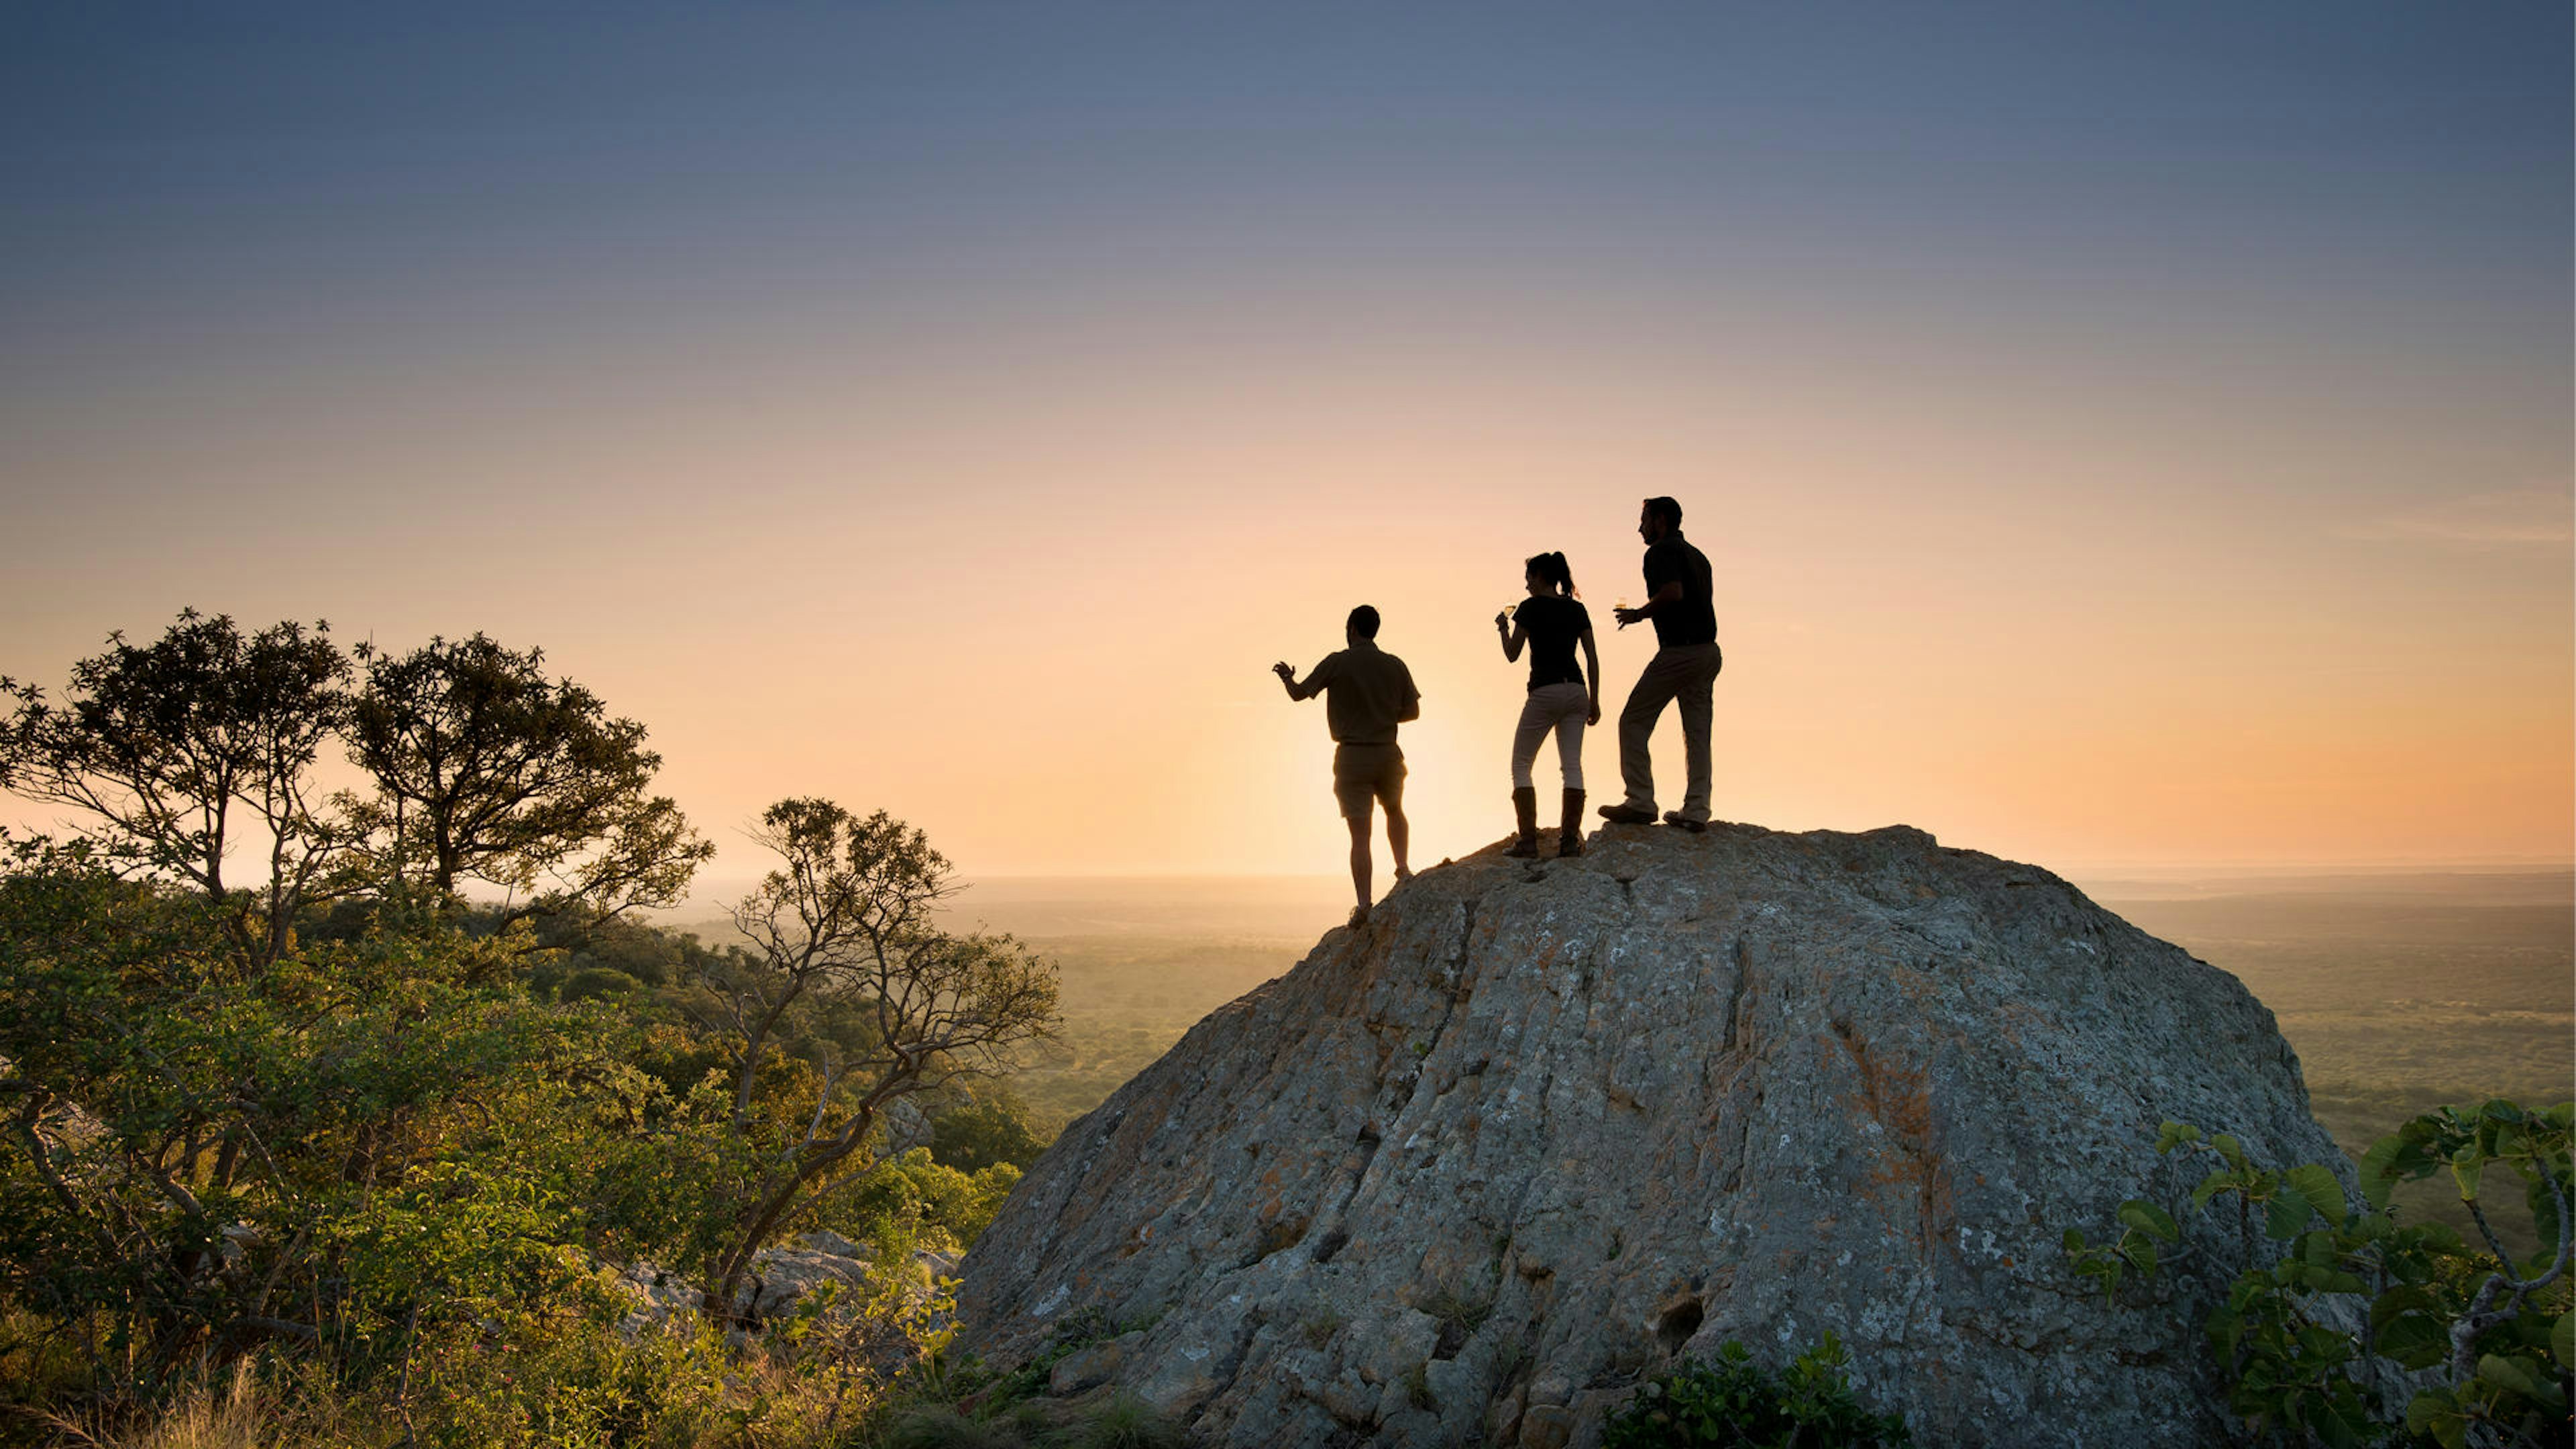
(781, 1278)
(1469, 1173)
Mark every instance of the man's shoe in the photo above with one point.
(1359, 917)
(1679, 821)
(1569, 830)
(1525, 812)
(1624, 813)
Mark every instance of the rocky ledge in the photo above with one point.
(1469, 1173)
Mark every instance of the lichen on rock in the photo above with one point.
(1472, 1171)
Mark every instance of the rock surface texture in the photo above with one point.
(1470, 1172)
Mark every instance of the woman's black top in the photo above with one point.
(1553, 622)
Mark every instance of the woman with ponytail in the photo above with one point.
(1549, 623)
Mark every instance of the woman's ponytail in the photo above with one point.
(1551, 568)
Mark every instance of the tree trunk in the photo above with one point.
(763, 1221)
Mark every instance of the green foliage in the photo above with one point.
(592, 982)
(949, 1208)
(983, 1126)
(344, 1158)
(2494, 1328)
(846, 929)
(209, 1152)
(486, 770)
(171, 753)
(1735, 1401)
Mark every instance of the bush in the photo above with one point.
(2495, 1334)
(597, 981)
(949, 1208)
(988, 1124)
(1734, 1401)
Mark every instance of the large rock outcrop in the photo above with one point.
(1469, 1172)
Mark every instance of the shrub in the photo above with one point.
(595, 981)
(950, 1208)
(988, 1124)
(1734, 1401)
(2487, 1326)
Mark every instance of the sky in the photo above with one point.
(2123, 436)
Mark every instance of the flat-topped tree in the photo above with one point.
(843, 932)
(175, 751)
(486, 770)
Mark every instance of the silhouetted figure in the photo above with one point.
(1549, 623)
(1683, 670)
(1367, 692)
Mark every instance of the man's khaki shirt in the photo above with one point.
(1366, 692)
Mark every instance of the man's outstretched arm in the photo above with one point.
(1288, 677)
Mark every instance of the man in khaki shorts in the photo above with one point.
(1367, 692)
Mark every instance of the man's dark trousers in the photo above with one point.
(1684, 674)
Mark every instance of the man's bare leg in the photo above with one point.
(1398, 835)
(1360, 864)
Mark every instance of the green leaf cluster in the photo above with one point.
(1731, 1400)
(2491, 1333)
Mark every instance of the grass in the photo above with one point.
(1457, 1312)
(243, 1408)
(1417, 1386)
(1127, 1422)
(239, 1416)
(1321, 1329)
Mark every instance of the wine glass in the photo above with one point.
(1617, 607)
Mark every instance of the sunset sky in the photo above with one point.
(2122, 435)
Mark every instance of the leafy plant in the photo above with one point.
(1734, 1401)
(2494, 1331)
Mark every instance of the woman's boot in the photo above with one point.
(1569, 834)
(1525, 805)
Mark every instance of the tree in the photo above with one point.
(846, 924)
(196, 1158)
(174, 750)
(486, 770)
(977, 1128)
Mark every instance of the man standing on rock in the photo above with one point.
(1684, 670)
(1367, 692)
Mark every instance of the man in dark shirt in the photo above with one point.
(1683, 671)
(1367, 692)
